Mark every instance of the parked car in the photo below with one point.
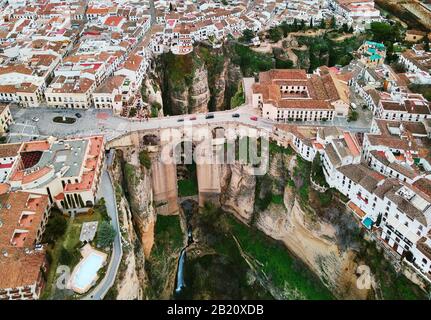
(353, 106)
(35, 119)
(78, 115)
(180, 120)
(193, 118)
(254, 118)
(209, 116)
(235, 115)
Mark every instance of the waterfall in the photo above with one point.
(187, 206)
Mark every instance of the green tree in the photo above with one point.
(144, 159)
(385, 32)
(283, 64)
(275, 34)
(302, 27)
(65, 257)
(353, 116)
(105, 235)
(322, 24)
(332, 23)
(285, 28)
(247, 35)
(427, 44)
(345, 27)
(295, 25)
(55, 228)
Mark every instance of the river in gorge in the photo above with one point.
(210, 266)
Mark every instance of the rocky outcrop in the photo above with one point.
(204, 80)
(220, 88)
(138, 185)
(238, 187)
(191, 98)
(131, 274)
(308, 237)
(314, 242)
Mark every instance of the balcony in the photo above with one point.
(361, 198)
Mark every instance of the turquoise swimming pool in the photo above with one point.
(368, 223)
(87, 272)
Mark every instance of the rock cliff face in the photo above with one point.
(139, 188)
(313, 240)
(238, 188)
(191, 98)
(131, 275)
(202, 81)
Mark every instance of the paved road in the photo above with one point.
(94, 121)
(107, 191)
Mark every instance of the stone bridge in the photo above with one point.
(204, 142)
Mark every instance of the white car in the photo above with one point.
(353, 106)
(35, 119)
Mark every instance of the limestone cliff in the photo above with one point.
(312, 239)
(201, 81)
(139, 189)
(184, 83)
(193, 98)
(131, 274)
(238, 187)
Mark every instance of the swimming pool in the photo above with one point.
(87, 271)
(368, 223)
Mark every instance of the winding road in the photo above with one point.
(107, 191)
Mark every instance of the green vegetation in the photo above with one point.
(132, 112)
(325, 198)
(424, 89)
(214, 63)
(64, 250)
(272, 260)
(317, 172)
(130, 175)
(277, 199)
(189, 185)
(178, 73)
(301, 177)
(105, 235)
(180, 68)
(220, 272)
(388, 34)
(239, 97)
(65, 120)
(163, 259)
(55, 228)
(155, 108)
(274, 148)
(275, 34)
(187, 188)
(353, 116)
(394, 286)
(283, 63)
(247, 35)
(323, 50)
(144, 159)
(251, 62)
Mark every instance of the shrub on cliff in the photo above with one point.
(144, 159)
(105, 235)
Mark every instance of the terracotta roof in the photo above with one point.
(9, 150)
